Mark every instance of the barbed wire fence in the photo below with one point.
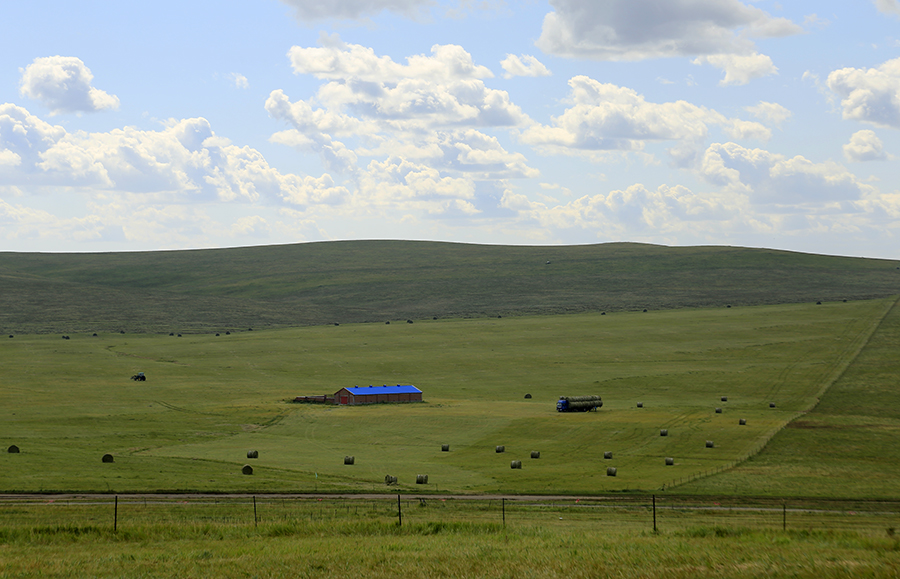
(643, 513)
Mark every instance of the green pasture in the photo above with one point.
(378, 280)
(209, 399)
(848, 445)
(223, 538)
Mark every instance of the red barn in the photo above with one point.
(377, 394)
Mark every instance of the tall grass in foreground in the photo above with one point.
(558, 543)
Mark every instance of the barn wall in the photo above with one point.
(373, 398)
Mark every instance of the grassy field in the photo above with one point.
(440, 539)
(208, 399)
(830, 369)
(375, 281)
(854, 427)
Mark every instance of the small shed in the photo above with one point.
(377, 395)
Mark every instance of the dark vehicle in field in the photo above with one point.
(578, 403)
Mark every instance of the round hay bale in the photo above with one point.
(709, 444)
(742, 422)
(640, 404)
(247, 469)
(515, 464)
(501, 449)
(445, 448)
(528, 397)
(107, 458)
(718, 411)
(390, 480)
(421, 479)
(13, 449)
(771, 405)
(535, 454)
(349, 459)
(252, 454)
(607, 455)
(664, 432)
(611, 471)
(724, 398)
(670, 461)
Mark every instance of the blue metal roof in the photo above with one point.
(371, 390)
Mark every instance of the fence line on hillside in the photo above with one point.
(757, 448)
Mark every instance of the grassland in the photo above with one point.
(369, 281)
(828, 451)
(208, 399)
(307, 539)
(830, 369)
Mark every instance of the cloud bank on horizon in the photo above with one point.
(677, 122)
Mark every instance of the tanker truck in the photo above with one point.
(578, 403)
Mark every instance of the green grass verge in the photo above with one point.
(553, 542)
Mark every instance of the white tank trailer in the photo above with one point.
(578, 403)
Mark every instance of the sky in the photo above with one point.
(133, 126)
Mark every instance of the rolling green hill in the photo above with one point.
(365, 281)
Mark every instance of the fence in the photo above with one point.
(663, 513)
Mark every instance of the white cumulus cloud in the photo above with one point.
(604, 116)
(772, 113)
(239, 80)
(864, 146)
(524, 65)
(433, 110)
(769, 178)
(869, 95)
(335, 59)
(63, 84)
(185, 161)
(739, 69)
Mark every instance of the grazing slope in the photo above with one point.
(209, 399)
(362, 281)
(848, 445)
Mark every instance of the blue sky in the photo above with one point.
(172, 125)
